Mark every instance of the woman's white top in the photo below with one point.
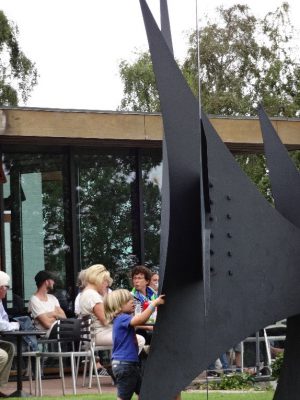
(87, 301)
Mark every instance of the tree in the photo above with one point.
(106, 194)
(18, 74)
(244, 61)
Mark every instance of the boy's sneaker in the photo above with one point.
(103, 372)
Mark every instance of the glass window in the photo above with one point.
(105, 208)
(152, 180)
(34, 220)
(39, 219)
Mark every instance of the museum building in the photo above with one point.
(80, 187)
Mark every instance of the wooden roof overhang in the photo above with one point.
(127, 129)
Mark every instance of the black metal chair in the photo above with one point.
(96, 350)
(77, 333)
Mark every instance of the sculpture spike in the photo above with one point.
(255, 251)
(285, 183)
(165, 24)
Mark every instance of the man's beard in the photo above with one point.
(50, 289)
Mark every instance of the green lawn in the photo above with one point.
(229, 396)
(185, 396)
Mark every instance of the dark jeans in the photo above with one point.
(128, 379)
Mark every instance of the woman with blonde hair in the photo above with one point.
(81, 286)
(97, 280)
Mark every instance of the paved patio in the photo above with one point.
(53, 386)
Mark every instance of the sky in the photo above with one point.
(77, 45)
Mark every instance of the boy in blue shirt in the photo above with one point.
(119, 308)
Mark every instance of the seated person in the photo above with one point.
(154, 281)
(96, 285)
(211, 369)
(143, 295)
(44, 307)
(7, 347)
(5, 325)
(6, 358)
(276, 347)
(65, 301)
(238, 356)
(279, 330)
(81, 286)
(97, 281)
(18, 307)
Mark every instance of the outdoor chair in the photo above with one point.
(41, 342)
(75, 332)
(94, 348)
(38, 387)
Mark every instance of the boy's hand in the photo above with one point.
(160, 300)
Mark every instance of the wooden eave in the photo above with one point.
(89, 128)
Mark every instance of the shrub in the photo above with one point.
(237, 381)
(276, 365)
(233, 382)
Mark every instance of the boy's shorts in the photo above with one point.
(128, 378)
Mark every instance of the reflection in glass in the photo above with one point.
(152, 179)
(35, 229)
(103, 225)
(105, 185)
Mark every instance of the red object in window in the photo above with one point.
(145, 305)
(2, 174)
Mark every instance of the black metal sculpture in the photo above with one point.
(285, 183)
(229, 260)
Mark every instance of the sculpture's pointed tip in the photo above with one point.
(260, 108)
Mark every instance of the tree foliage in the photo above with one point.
(107, 204)
(18, 75)
(244, 61)
(139, 85)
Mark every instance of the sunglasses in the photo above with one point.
(5, 286)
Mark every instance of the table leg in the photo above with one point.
(19, 392)
(19, 363)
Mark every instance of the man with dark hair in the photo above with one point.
(143, 294)
(44, 307)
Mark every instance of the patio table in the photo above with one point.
(18, 335)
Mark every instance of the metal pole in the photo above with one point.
(257, 352)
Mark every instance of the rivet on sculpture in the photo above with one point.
(230, 262)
